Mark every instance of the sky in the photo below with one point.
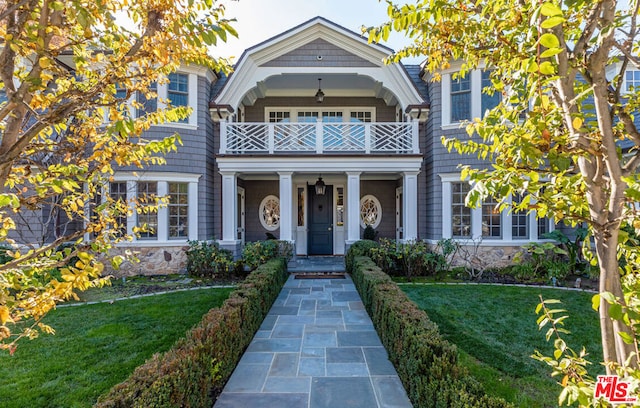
(258, 20)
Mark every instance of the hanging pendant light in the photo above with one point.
(319, 94)
(320, 186)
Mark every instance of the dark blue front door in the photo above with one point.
(320, 222)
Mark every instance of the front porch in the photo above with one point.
(258, 203)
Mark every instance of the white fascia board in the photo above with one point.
(241, 76)
(155, 176)
(198, 70)
(392, 78)
(390, 164)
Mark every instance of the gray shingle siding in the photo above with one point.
(318, 53)
(194, 156)
(255, 192)
(385, 192)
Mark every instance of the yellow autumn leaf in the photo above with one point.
(5, 315)
(577, 123)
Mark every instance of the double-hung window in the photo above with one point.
(491, 219)
(178, 210)
(147, 217)
(490, 97)
(460, 213)
(632, 80)
(147, 105)
(159, 207)
(178, 91)
(118, 193)
(461, 98)
(519, 220)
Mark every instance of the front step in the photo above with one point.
(319, 275)
(331, 264)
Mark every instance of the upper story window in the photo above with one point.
(307, 117)
(278, 116)
(147, 105)
(632, 80)
(178, 90)
(312, 115)
(461, 99)
(490, 97)
(361, 117)
(466, 98)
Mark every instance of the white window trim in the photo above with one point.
(163, 179)
(163, 93)
(476, 220)
(346, 112)
(476, 98)
(625, 82)
(264, 201)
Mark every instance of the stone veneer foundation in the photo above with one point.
(152, 261)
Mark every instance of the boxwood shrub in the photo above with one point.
(426, 363)
(193, 372)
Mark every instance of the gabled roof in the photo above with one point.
(269, 59)
(300, 27)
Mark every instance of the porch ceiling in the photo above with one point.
(334, 84)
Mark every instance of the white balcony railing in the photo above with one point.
(279, 138)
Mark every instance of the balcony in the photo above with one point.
(319, 138)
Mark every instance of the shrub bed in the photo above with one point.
(426, 363)
(194, 371)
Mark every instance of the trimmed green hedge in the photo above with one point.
(194, 371)
(426, 363)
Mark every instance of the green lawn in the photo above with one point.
(495, 330)
(96, 347)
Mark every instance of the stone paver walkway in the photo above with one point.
(317, 348)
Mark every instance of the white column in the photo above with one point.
(319, 137)
(223, 137)
(286, 206)
(507, 221)
(415, 136)
(353, 207)
(132, 195)
(447, 231)
(476, 93)
(229, 219)
(410, 201)
(476, 222)
(193, 211)
(193, 99)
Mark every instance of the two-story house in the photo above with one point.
(310, 139)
